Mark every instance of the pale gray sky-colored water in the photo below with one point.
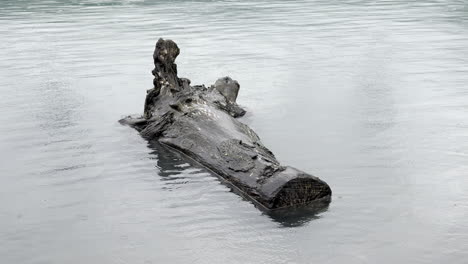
(371, 96)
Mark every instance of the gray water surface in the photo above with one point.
(371, 96)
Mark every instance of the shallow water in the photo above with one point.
(371, 96)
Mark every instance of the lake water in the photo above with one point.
(371, 96)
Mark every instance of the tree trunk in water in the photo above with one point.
(201, 122)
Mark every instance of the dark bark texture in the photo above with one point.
(201, 122)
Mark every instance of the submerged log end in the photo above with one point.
(293, 187)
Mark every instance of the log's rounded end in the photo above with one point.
(293, 187)
(300, 191)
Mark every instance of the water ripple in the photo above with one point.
(374, 93)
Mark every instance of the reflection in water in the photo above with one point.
(170, 163)
(295, 217)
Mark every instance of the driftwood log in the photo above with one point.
(202, 123)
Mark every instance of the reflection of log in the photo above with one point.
(201, 122)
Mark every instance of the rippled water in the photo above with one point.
(371, 96)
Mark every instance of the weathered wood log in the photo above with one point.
(201, 122)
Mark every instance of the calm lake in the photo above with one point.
(371, 96)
